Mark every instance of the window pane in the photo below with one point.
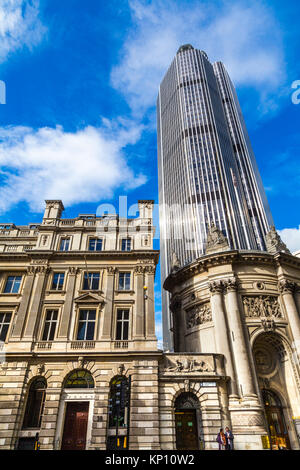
(92, 244)
(3, 332)
(95, 281)
(83, 315)
(125, 330)
(126, 314)
(92, 314)
(90, 331)
(119, 330)
(81, 330)
(46, 331)
(127, 281)
(52, 331)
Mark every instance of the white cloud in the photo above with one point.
(246, 38)
(291, 237)
(87, 165)
(19, 26)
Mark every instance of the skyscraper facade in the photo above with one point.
(207, 168)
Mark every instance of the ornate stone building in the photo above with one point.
(245, 305)
(79, 364)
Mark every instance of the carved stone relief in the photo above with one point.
(187, 364)
(198, 315)
(262, 306)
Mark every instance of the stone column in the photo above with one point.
(139, 318)
(150, 303)
(35, 306)
(297, 298)
(23, 308)
(67, 309)
(287, 288)
(221, 331)
(108, 308)
(238, 341)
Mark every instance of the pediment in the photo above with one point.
(90, 297)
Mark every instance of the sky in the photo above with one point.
(81, 78)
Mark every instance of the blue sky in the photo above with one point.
(82, 77)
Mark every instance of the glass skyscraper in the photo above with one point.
(207, 168)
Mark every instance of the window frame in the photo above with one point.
(11, 313)
(33, 402)
(76, 332)
(124, 240)
(5, 280)
(130, 281)
(122, 309)
(47, 310)
(96, 239)
(64, 237)
(51, 288)
(83, 281)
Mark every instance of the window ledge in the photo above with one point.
(122, 291)
(54, 291)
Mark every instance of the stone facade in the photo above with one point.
(245, 305)
(32, 262)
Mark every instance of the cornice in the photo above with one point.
(203, 263)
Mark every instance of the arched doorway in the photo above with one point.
(186, 422)
(278, 387)
(276, 422)
(76, 412)
(118, 413)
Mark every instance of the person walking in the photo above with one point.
(222, 440)
(229, 438)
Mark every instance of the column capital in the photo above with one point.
(139, 269)
(216, 287)
(73, 270)
(286, 286)
(111, 270)
(230, 284)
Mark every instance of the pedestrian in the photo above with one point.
(229, 438)
(222, 440)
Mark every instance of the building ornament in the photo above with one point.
(73, 270)
(215, 241)
(187, 385)
(121, 369)
(40, 368)
(81, 362)
(268, 324)
(231, 284)
(261, 306)
(139, 269)
(111, 270)
(286, 287)
(175, 263)
(197, 315)
(274, 243)
(189, 365)
(216, 287)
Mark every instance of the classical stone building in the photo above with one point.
(245, 305)
(79, 365)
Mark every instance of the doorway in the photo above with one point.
(276, 422)
(186, 424)
(75, 428)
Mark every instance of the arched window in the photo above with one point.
(118, 402)
(35, 403)
(79, 379)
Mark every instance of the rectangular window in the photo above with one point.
(122, 325)
(4, 325)
(12, 285)
(86, 325)
(91, 281)
(95, 244)
(126, 244)
(50, 325)
(124, 281)
(58, 281)
(64, 244)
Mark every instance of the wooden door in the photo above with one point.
(75, 429)
(186, 430)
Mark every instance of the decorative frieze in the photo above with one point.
(216, 287)
(198, 315)
(189, 364)
(262, 306)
